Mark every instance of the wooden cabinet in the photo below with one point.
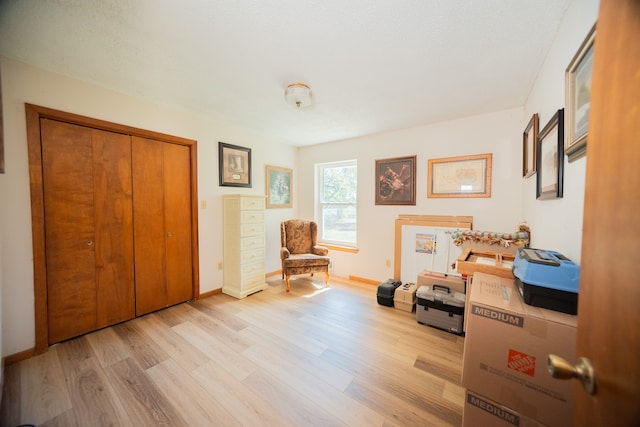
(244, 245)
(114, 222)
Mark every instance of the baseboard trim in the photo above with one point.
(274, 273)
(20, 356)
(211, 293)
(364, 280)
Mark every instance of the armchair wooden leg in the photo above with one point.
(287, 280)
(326, 279)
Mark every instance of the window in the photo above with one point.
(337, 185)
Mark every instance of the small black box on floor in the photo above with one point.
(386, 292)
(547, 279)
(439, 307)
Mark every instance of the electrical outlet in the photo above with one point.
(203, 204)
(219, 266)
(388, 262)
(331, 265)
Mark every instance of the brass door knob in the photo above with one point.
(582, 370)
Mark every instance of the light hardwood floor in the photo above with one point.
(314, 357)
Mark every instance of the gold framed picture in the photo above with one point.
(279, 182)
(465, 176)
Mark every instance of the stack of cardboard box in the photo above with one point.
(505, 372)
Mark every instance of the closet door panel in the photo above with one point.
(88, 239)
(177, 188)
(113, 227)
(148, 225)
(67, 168)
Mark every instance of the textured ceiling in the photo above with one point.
(373, 65)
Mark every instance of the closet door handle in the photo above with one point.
(89, 242)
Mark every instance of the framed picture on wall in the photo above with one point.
(234, 165)
(279, 182)
(551, 158)
(577, 98)
(529, 147)
(465, 176)
(396, 181)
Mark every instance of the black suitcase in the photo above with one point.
(386, 292)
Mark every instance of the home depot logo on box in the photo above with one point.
(522, 362)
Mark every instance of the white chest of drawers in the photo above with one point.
(244, 245)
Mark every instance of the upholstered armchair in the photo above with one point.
(300, 252)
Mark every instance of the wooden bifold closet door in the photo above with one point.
(88, 228)
(114, 223)
(162, 224)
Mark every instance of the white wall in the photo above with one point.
(498, 133)
(557, 224)
(23, 83)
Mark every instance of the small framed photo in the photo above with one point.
(551, 158)
(279, 186)
(234, 165)
(396, 181)
(465, 176)
(529, 147)
(577, 98)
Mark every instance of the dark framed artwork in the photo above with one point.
(578, 98)
(396, 181)
(550, 155)
(529, 137)
(464, 176)
(279, 186)
(234, 165)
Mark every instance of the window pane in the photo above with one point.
(336, 204)
(339, 184)
(339, 223)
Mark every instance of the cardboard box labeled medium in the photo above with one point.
(480, 411)
(405, 297)
(429, 278)
(506, 350)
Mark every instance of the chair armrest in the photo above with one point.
(284, 253)
(319, 250)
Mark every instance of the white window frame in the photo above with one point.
(319, 203)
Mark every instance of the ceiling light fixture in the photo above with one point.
(298, 95)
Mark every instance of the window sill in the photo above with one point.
(340, 248)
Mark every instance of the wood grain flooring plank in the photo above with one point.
(179, 349)
(66, 419)
(297, 408)
(233, 362)
(44, 391)
(107, 346)
(11, 396)
(94, 401)
(290, 354)
(196, 405)
(144, 350)
(219, 329)
(301, 379)
(285, 329)
(401, 411)
(248, 408)
(223, 313)
(143, 402)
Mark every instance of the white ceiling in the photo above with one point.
(373, 65)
